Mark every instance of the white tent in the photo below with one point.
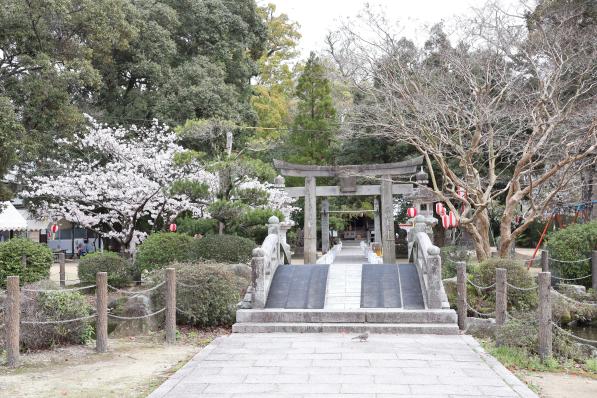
(11, 219)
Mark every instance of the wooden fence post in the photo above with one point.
(544, 261)
(501, 296)
(101, 325)
(13, 320)
(170, 306)
(461, 290)
(544, 315)
(62, 262)
(594, 270)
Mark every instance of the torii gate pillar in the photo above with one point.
(387, 217)
(325, 226)
(310, 231)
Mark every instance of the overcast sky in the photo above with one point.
(318, 17)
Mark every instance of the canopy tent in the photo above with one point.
(11, 219)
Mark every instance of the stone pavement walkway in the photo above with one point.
(333, 365)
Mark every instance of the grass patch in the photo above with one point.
(516, 358)
(591, 365)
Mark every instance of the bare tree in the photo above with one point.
(508, 114)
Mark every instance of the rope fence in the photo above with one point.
(480, 287)
(56, 322)
(545, 293)
(130, 318)
(15, 294)
(522, 289)
(573, 336)
(133, 292)
(75, 289)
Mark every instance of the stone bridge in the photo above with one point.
(349, 289)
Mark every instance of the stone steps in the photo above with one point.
(359, 315)
(377, 328)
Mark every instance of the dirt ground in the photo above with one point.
(132, 368)
(561, 385)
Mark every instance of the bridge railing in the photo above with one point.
(427, 259)
(330, 256)
(265, 261)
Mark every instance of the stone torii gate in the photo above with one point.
(348, 177)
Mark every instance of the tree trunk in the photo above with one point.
(221, 227)
(479, 231)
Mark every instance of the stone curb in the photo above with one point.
(509, 378)
(173, 380)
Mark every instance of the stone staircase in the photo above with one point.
(374, 320)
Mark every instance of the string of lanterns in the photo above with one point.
(449, 220)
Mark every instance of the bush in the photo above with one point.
(193, 226)
(163, 248)
(119, 269)
(59, 305)
(516, 275)
(522, 332)
(39, 260)
(450, 255)
(573, 243)
(224, 248)
(210, 297)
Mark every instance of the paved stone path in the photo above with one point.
(333, 365)
(344, 278)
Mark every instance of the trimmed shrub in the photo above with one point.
(573, 243)
(516, 275)
(194, 226)
(209, 297)
(224, 248)
(39, 260)
(59, 305)
(450, 255)
(119, 269)
(163, 248)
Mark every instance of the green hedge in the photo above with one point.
(194, 226)
(206, 294)
(224, 248)
(163, 248)
(39, 260)
(573, 243)
(118, 269)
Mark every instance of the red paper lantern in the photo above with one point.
(453, 220)
(461, 192)
(54, 228)
(172, 227)
(411, 212)
(445, 221)
(439, 208)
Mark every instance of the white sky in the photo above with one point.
(318, 17)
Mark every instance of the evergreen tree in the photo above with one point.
(313, 137)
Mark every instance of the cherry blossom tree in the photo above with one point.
(120, 183)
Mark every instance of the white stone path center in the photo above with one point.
(334, 365)
(344, 279)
